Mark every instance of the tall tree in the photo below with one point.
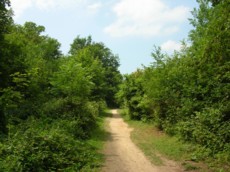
(109, 62)
(5, 20)
(5, 17)
(79, 43)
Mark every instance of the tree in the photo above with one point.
(29, 61)
(215, 2)
(88, 59)
(133, 96)
(79, 43)
(188, 93)
(5, 20)
(110, 63)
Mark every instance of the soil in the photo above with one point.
(122, 155)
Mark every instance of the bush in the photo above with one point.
(208, 129)
(38, 145)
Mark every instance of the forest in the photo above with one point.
(187, 94)
(50, 102)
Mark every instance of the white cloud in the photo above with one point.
(45, 4)
(146, 18)
(170, 46)
(54, 4)
(94, 7)
(19, 6)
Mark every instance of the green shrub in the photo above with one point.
(41, 146)
(208, 129)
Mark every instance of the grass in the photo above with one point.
(149, 138)
(98, 139)
(158, 146)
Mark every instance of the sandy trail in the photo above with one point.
(121, 153)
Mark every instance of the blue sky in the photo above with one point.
(130, 28)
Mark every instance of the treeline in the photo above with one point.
(188, 93)
(49, 103)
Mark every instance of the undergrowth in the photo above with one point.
(157, 146)
(46, 145)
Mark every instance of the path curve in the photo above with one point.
(121, 153)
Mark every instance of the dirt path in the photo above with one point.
(121, 153)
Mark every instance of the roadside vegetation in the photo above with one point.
(52, 105)
(187, 95)
(160, 148)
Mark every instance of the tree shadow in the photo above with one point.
(106, 114)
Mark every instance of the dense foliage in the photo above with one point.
(188, 93)
(107, 76)
(5, 21)
(49, 103)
